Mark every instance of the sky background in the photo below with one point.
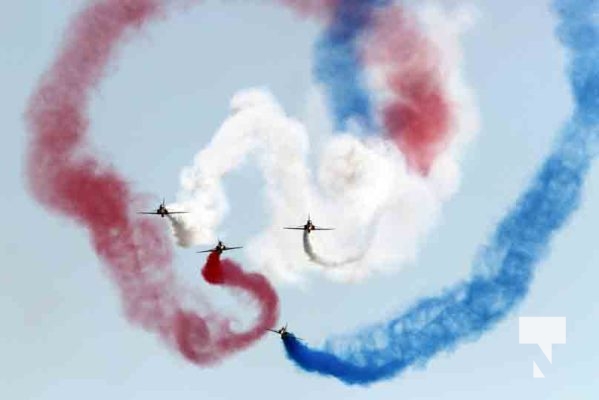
(62, 331)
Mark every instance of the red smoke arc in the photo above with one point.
(66, 177)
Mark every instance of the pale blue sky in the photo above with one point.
(63, 335)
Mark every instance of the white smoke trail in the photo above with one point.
(380, 210)
(318, 259)
(358, 181)
(256, 123)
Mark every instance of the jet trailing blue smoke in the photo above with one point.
(505, 266)
(338, 66)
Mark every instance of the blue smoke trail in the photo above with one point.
(338, 66)
(504, 267)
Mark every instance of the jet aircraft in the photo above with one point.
(219, 248)
(281, 331)
(162, 211)
(308, 226)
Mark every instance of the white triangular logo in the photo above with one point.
(536, 371)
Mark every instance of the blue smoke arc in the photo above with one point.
(505, 266)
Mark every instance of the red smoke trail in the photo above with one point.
(66, 177)
(318, 8)
(419, 117)
(229, 274)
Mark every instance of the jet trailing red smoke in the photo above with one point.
(419, 116)
(66, 177)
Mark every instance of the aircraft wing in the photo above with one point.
(232, 248)
(206, 251)
(272, 330)
(147, 212)
(178, 212)
(299, 228)
(324, 229)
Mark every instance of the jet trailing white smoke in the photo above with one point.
(381, 210)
